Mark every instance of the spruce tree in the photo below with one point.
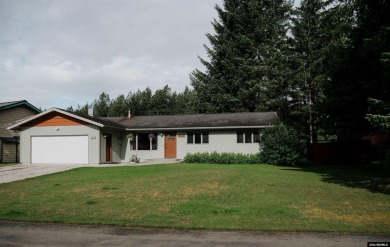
(102, 105)
(118, 107)
(245, 58)
(161, 102)
(187, 102)
(362, 71)
(317, 27)
(140, 102)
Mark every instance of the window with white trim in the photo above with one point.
(248, 137)
(147, 141)
(198, 138)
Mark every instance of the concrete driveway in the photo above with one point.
(23, 171)
(19, 172)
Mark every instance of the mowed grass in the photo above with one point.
(8, 164)
(199, 196)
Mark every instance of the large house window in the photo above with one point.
(205, 137)
(248, 137)
(198, 138)
(256, 137)
(240, 137)
(153, 137)
(147, 141)
(190, 138)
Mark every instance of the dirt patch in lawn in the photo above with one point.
(349, 217)
(207, 188)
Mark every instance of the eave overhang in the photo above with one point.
(23, 122)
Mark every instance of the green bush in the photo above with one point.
(223, 158)
(281, 145)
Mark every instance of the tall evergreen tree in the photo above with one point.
(187, 102)
(140, 102)
(162, 102)
(362, 71)
(246, 56)
(82, 110)
(118, 107)
(101, 105)
(379, 114)
(317, 27)
(69, 109)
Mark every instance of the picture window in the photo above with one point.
(147, 141)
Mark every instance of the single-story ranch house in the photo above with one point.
(56, 136)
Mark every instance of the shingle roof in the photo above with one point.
(7, 105)
(244, 119)
(106, 121)
(166, 122)
(2, 104)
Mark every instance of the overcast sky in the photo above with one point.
(60, 53)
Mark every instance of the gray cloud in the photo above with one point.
(60, 53)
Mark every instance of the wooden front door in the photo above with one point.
(108, 147)
(170, 145)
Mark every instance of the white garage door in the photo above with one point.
(59, 149)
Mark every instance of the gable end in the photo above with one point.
(55, 119)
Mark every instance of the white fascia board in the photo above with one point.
(14, 126)
(79, 118)
(200, 128)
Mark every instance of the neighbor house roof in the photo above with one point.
(8, 105)
(201, 121)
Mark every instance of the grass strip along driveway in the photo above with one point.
(198, 196)
(8, 164)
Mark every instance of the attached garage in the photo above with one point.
(56, 136)
(59, 149)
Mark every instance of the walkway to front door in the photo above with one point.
(170, 145)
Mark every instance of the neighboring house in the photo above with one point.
(57, 136)
(10, 113)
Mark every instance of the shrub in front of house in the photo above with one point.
(281, 145)
(223, 158)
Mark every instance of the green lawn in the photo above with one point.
(198, 196)
(8, 164)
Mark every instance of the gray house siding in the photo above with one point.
(219, 141)
(11, 116)
(90, 130)
(9, 151)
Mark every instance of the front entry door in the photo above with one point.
(108, 147)
(170, 145)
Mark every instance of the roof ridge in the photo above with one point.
(193, 114)
(10, 104)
